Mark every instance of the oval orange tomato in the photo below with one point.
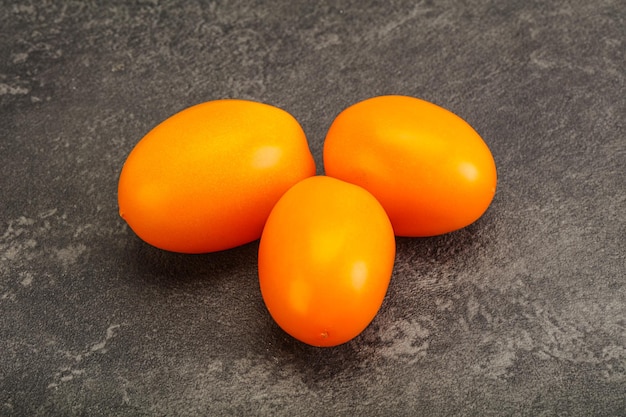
(429, 168)
(325, 260)
(206, 178)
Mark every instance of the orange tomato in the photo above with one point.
(325, 260)
(206, 178)
(429, 168)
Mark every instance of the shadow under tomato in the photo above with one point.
(170, 269)
(317, 365)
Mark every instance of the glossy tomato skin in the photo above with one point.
(205, 179)
(325, 260)
(429, 168)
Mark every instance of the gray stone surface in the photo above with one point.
(522, 313)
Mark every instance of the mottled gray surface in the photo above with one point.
(522, 313)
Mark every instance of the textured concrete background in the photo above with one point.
(522, 313)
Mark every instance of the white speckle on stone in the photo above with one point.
(472, 307)
(20, 57)
(406, 339)
(27, 280)
(111, 331)
(47, 213)
(70, 254)
(101, 346)
(6, 89)
(11, 253)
